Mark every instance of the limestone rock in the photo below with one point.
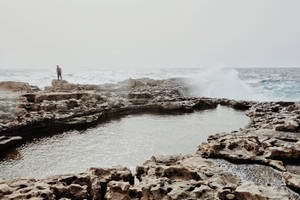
(13, 86)
(181, 177)
(91, 184)
(9, 141)
(250, 190)
(263, 146)
(292, 180)
(289, 125)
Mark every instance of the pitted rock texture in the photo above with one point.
(161, 178)
(258, 146)
(88, 185)
(292, 180)
(272, 138)
(64, 106)
(281, 116)
(184, 177)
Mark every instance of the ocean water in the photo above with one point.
(259, 84)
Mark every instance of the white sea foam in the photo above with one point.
(246, 84)
(219, 82)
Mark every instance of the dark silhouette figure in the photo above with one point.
(58, 71)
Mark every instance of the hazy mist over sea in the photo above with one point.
(149, 34)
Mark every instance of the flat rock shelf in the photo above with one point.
(96, 126)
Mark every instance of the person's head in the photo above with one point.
(57, 66)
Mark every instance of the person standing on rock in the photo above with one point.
(58, 71)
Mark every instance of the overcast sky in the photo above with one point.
(153, 33)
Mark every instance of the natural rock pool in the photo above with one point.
(128, 141)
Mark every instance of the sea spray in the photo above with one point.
(220, 83)
(7, 106)
(260, 84)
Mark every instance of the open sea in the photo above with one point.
(259, 84)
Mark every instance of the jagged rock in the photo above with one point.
(281, 116)
(91, 184)
(290, 126)
(64, 106)
(117, 190)
(78, 105)
(181, 177)
(263, 146)
(292, 180)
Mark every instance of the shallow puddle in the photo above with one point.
(129, 141)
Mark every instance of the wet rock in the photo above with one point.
(271, 139)
(292, 181)
(202, 104)
(240, 105)
(7, 142)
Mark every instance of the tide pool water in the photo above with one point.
(129, 141)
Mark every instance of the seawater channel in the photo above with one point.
(128, 141)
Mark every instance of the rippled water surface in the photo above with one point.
(128, 141)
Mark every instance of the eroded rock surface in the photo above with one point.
(272, 138)
(163, 178)
(254, 146)
(13, 86)
(292, 180)
(63, 105)
(281, 116)
(88, 185)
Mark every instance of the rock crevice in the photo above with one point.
(272, 139)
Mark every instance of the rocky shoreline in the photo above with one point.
(272, 139)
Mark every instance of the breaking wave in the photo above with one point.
(261, 84)
(220, 83)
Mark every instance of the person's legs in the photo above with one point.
(57, 76)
